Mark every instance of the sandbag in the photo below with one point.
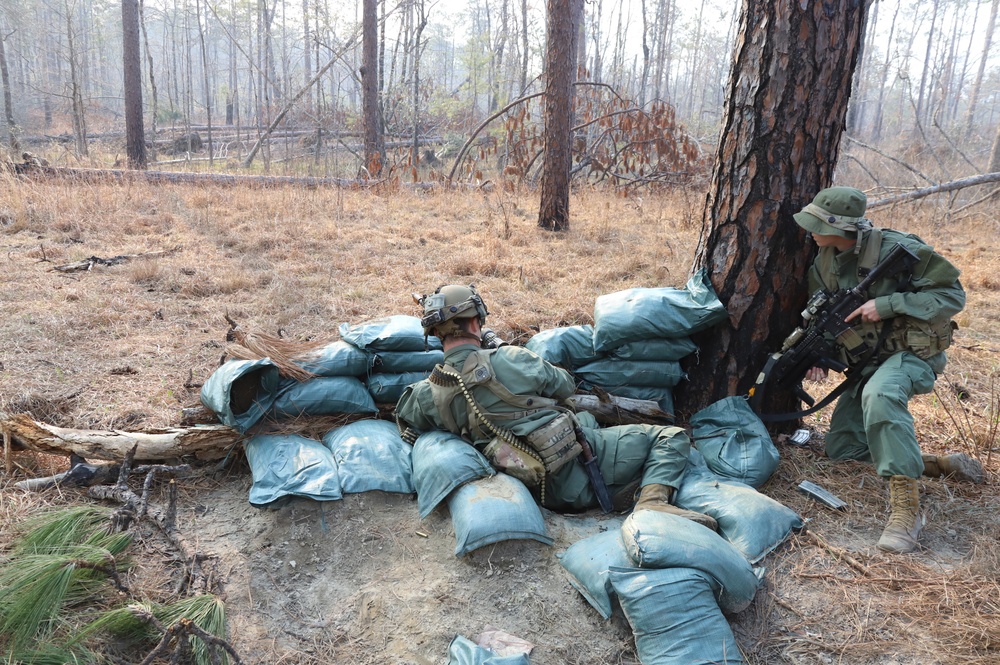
(289, 464)
(734, 441)
(753, 522)
(324, 395)
(336, 359)
(674, 617)
(463, 651)
(660, 540)
(653, 313)
(400, 362)
(441, 462)
(588, 563)
(568, 347)
(655, 349)
(610, 373)
(240, 392)
(371, 455)
(388, 388)
(393, 333)
(493, 509)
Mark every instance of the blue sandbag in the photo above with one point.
(660, 540)
(336, 359)
(610, 373)
(240, 392)
(493, 509)
(588, 562)
(674, 617)
(753, 522)
(290, 464)
(655, 349)
(463, 651)
(734, 441)
(401, 362)
(568, 347)
(388, 388)
(324, 395)
(441, 462)
(371, 455)
(652, 313)
(394, 333)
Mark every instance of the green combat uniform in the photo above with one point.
(872, 421)
(626, 453)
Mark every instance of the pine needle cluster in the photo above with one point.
(59, 569)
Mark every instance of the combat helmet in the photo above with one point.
(836, 211)
(447, 303)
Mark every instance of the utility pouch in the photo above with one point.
(515, 462)
(555, 442)
(925, 340)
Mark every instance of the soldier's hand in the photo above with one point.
(868, 313)
(816, 373)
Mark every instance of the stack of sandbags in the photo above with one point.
(400, 354)
(637, 340)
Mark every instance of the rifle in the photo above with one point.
(814, 343)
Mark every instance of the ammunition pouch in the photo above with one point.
(555, 442)
(515, 461)
(922, 338)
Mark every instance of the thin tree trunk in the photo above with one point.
(135, 140)
(8, 106)
(154, 107)
(208, 88)
(374, 142)
(76, 94)
(970, 115)
(553, 213)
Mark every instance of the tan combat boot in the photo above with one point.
(905, 521)
(957, 466)
(657, 497)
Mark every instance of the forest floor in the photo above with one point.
(365, 580)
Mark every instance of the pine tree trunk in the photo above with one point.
(560, 71)
(784, 115)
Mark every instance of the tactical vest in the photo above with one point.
(552, 443)
(922, 338)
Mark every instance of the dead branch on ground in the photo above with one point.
(209, 442)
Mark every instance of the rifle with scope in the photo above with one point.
(824, 329)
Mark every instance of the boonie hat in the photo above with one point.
(836, 211)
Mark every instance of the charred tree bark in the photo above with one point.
(560, 72)
(785, 112)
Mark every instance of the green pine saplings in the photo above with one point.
(59, 566)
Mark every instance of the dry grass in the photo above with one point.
(114, 347)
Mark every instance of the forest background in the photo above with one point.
(928, 74)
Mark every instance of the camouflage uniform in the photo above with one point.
(648, 454)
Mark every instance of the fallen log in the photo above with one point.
(614, 410)
(205, 442)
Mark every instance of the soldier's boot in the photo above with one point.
(657, 497)
(905, 521)
(957, 466)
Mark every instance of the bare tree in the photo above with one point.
(560, 69)
(778, 147)
(135, 141)
(374, 141)
(987, 43)
(8, 106)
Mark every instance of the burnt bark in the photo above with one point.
(785, 112)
